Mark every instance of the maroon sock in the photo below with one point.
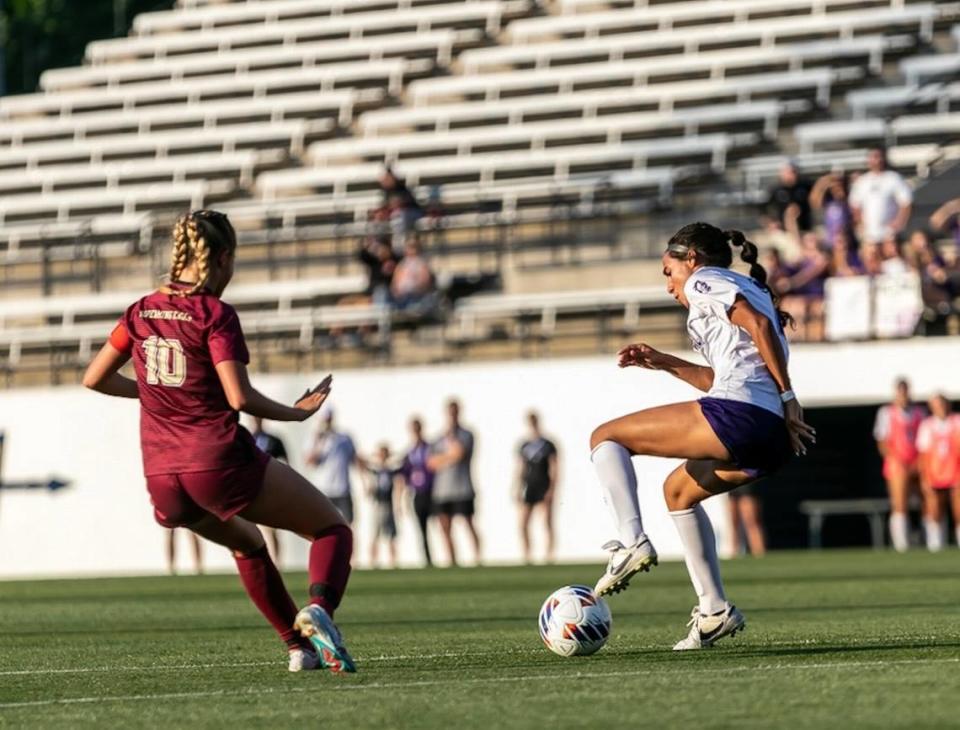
(329, 566)
(265, 587)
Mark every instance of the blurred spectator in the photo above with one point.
(871, 258)
(891, 254)
(880, 199)
(331, 454)
(419, 480)
(802, 289)
(413, 286)
(272, 445)
(946, 218)
(383, 494)
(537, 484)
(843, 260)
(402, 207)
(830, 196)
(746, 520)
(938, 441)
(453, 492)
(895, 431)
(772, 261)
(172, 551)
(790, 198)
(936, 287)
(381, 261)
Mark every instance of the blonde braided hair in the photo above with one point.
(197, 236)
(181, 247)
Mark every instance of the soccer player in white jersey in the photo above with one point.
(746, 427)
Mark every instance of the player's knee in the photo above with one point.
(676, 495)
(600, 434)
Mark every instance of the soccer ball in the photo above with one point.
(574, 621)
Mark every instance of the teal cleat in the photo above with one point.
(315, 624)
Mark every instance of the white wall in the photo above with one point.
(103, 523)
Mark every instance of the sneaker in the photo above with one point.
(625, 563)
(314, 624)
(302, 660)
(705, 631)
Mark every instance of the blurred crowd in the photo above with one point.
(843, 225)
(398, 273)
(430, 479)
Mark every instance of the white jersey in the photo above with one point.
(739, 372)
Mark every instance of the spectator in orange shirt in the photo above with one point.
(938, 442)
(895, 431)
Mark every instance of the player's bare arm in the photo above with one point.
(643, 356)
(761, 331)
(102, 374)
(242, 396)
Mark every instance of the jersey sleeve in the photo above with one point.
(120, 338)
(711, 294)
(225, 338)
(924, 437)
(881, 426)
(902, 192)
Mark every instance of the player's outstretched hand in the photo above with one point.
(799, 430)
(640, 355)
(311, 400)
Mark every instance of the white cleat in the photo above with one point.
(302, 660)
(705, 631)
(624, 563)
(315, 624)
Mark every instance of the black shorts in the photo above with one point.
(534, 493)
(463, 507)
(345, 505)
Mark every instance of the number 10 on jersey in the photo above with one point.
(166, 363)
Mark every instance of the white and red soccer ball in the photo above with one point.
(574, 621)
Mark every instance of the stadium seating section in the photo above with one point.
(546, 133)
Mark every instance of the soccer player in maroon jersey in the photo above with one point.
(203, 469)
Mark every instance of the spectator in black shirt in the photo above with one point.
(537, 482)
(381, 262)
(403, 208)
(273, 446)
(789, 199)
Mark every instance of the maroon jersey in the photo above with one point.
(186, 423)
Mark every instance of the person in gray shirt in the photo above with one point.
(453, 492)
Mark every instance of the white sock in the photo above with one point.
(619, 487)
(956, 535)
(898, 532)
(700, 553)
(934, 535)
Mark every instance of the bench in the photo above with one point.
(817, 510)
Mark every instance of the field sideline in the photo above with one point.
(834, 639)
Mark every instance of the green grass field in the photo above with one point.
(835, 639)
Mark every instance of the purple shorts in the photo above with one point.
(756, 438)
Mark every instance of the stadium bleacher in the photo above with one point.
(514, 116)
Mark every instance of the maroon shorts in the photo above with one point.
(183, 499)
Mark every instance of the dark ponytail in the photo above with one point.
(712, 247)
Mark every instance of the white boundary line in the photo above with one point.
(402, 657)
(475, 680)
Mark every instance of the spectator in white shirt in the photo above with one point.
(880, 199)
(331, 454)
